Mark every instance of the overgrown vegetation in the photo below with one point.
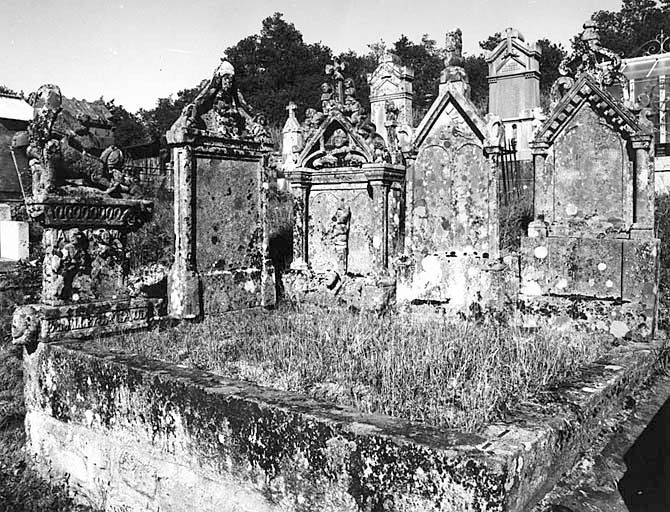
(662, 221)
(22, 489)
(461, 375)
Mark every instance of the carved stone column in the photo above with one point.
(300, 187)
(493, 154)
(184, 281)
(643, 208)
(543, 205)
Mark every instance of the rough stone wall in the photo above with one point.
(134, 434)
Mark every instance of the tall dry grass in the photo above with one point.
(459, 375)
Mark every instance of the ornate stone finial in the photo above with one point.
(589, 56)
(291, 108)
(512, 33)
(453, 75)
(335, 70)
(453, 47)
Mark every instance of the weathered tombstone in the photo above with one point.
(452, 242)
(87, 207)
(590, 255)
(348, 188)
(391, 88)
(220, 152)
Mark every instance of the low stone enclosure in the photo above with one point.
(387, 215)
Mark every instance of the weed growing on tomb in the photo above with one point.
(461, 375)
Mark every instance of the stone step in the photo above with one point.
(628, 469)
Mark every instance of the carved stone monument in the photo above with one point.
(452, 243)
(347, 183)
(87, 207)
(391, 90)
(514, 87)
(220, 153)
(591, 255)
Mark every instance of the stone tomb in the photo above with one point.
(220, 153)
(590, 254)
(87, 207)
(348, 188)
(452, 243)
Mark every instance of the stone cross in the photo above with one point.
(291, 107)
(336, 69)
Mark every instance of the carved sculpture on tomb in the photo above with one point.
(589, 56)
(25, 327)
(220, 108)
(339, 235)
(60, 163)
(339, 152)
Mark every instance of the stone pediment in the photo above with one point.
(336, 143)
(515, 47)
(463, 113)
(586, 93)
(512, 64)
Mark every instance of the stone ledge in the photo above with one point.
(274, 450)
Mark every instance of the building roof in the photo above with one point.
(15, 107)
(648, 66)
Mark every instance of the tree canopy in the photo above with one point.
(627, 30)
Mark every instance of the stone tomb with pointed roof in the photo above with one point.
(452, 215)
(337, 176)
(591, 251)
(348, 185)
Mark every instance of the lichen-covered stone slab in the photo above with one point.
(589, 186)
(452, 189)
(137, 434)
(572, 266)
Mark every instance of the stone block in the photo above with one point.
(571, 266)
(460, 282)
(14, 240)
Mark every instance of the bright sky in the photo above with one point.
(135, 51)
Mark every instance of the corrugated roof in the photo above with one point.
(13, 107)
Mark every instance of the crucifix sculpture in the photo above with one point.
(335, 69)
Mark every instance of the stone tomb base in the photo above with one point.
(97, 318)
(459, 283)
(228, 290)
(363, 293)
(605, 284)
